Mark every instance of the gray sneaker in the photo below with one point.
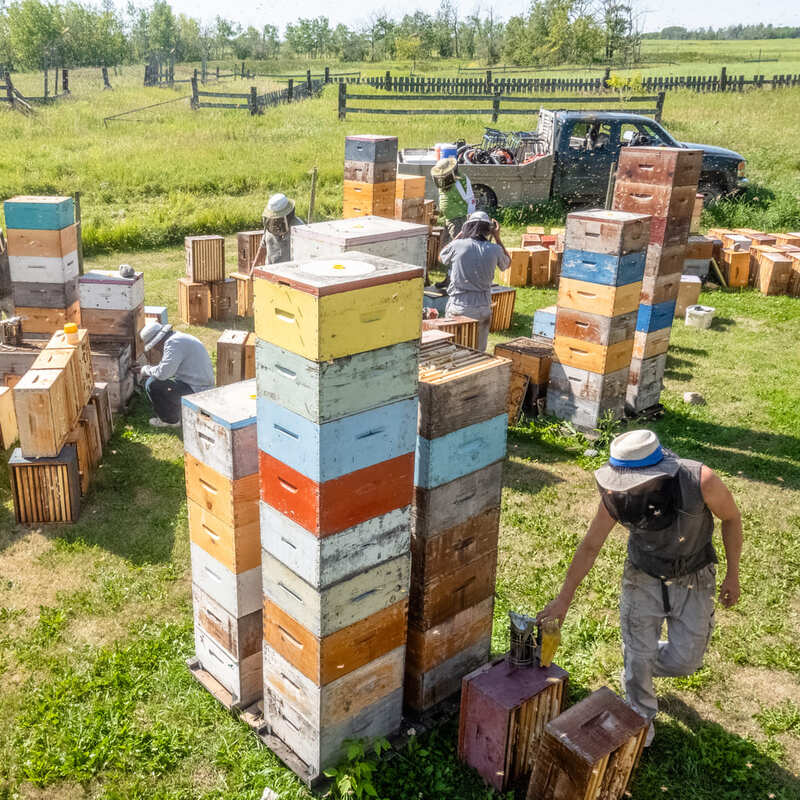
(159, 423)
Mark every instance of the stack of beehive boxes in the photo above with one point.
(370, 172)
(596, 318)
(205, 293)
(63, 421)
(247, 247)
(221, 460)
(336, 369)
(409, 202)
(112, 309)
(461, 444)
(389, 238)
(661, 182)
(43, 259)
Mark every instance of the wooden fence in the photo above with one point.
(252, 101)
(498, 104)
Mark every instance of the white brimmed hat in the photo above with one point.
(153, 333)
(279, 205)
(444, 166)
(479, 216)
(635, 457)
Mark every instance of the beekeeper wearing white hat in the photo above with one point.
(471, 259)
(668, 505)
(179, 365)
(278, 219)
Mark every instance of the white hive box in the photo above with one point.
(107, 289)
(379, 236)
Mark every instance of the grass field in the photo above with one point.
(95, 618)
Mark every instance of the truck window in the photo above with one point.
(641, 134)
(589, 136)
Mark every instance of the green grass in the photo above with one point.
(95, 618)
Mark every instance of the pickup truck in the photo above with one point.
(570, 156)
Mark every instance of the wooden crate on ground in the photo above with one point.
(205, 258)
(244, 294)
(231, 357)
(775, 270)
(590, 751)
(45, 489)
(8, 418)
(503, 299)
(503, 714)
(66, 361)
(517, 273)
(531, 359)
(793, 288)
(42, 408)
(224, 298)
(464, 329)
(736, 267)
(539, 265)
(194, 302)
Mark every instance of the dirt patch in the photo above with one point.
(63, 791)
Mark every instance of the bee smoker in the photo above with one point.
(526, 641)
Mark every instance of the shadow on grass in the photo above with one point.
(690, 751)
(758, 455)
(135, 502)
(526, 477)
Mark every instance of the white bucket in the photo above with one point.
(699, 316)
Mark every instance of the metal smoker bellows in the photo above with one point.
(523, 651)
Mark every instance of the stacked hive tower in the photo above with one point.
(62, 426)
(221, 460)
(112, 309)
(598, 302)
(370, 173)
(461, 444)
(661, 182)
(205, 293)
(336, 369)
(409, 203)
(43, 261)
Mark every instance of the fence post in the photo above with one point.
(46, 88)
(242, 70)
(290, 90)
(106, 83)
(253, 101)
(488, 80)
(327, 75)
(308, 80)
(65, 80)
(606, 77)
(217, 71)
(723, 79)
(660, 105)
(195, 99)
(387, 85)
(9, 88)
(342, 100)
(203, 71)
(495, 106)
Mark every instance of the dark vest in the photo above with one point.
(686, 545)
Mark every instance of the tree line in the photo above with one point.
(37, 33)
(732, 32)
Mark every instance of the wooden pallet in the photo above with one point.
(253, 716)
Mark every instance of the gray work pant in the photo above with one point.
(481, 313)
(689, 625)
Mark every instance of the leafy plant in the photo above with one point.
(782, 718)
(608, 426)
(352, 779)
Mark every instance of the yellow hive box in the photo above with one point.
(591, 356)
(596, 298)
(327, 309)
(517, 272)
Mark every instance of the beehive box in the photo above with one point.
(539, 270)
(108, 290)
(39, 212)
(59, 341)
(688, 295)
(614, 233)
(67, 362)
(231, 357)
(503, 299)
(589, 751)
(205, 258)
(389, 238)
(8, 418)
(111, 362)
(43, 413)
(517, 273)
(224, 296)
(503, 713)
(247, 245)
(464, 329)
(45, 295)
(591, 356)
(45, 321)
(194, 302)
(595, 298)
(671, 166)
(58, 243)
(327, 309)
(595, 328)
(45, 489)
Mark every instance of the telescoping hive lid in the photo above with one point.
(349, 271)
(110, 276)
(232, 406)
(350, 233)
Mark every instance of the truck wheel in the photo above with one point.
(711, 192)
(485, 198)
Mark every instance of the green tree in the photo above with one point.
(408, 48)
(162, 29)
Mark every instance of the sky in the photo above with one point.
(657, 15)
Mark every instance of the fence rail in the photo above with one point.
(254, 102)
(654, 105)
